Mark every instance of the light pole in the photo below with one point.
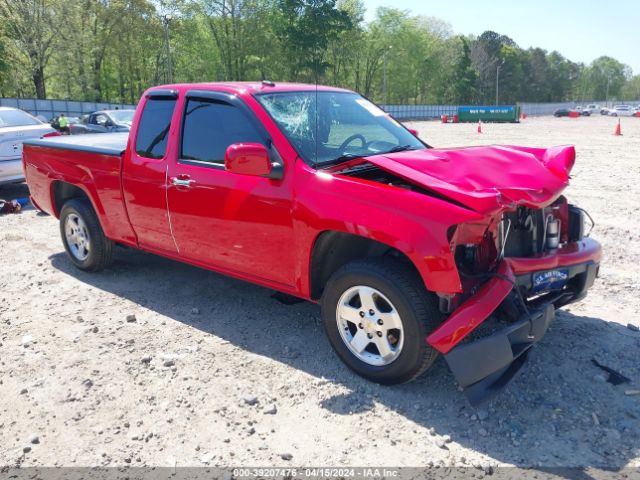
(498, 81)
(606, 99)
(384, 76)
(165, 20)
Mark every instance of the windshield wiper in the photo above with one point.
(334, 161)
(399, 148)
(350, 156)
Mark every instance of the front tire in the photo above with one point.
(377, 314)
(83, 238)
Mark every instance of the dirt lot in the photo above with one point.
(214, 371)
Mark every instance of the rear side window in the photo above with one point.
(153, 131)
(210, 127)
(100, 119)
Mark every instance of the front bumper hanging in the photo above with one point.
(483, 367)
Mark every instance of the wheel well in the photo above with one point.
(334, 249)
(63, 191)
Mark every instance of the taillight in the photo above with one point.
(51, 134)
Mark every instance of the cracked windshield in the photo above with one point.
(330, 127)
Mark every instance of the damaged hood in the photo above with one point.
(486, 179)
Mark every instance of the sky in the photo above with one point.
(580, 30)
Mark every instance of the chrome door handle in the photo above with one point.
(181, 182)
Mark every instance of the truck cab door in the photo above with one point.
(238, 224)
(144, 172)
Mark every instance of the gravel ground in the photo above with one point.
(157, 363)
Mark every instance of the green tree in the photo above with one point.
(462, 87)
(4, 59)
(415, 56)
(607, 77)
(305, 29)
(237, 27)
(564, 77)
(112, 50)
(486, 55)
(32, 25)
(344, 53)
(631, 89)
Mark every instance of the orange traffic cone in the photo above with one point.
(479, 126)
(618, 131)
(523, 116)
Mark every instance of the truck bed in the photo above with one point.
(92, 163)
(100, 143)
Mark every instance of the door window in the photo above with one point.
(153, 131)
(210, 127)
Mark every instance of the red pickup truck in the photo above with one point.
(411, 251)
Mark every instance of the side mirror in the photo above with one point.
(413, 131)
(251, 159)
(108, 123)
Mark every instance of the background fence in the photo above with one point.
(533, 109)
(50, 108)
(430, 112)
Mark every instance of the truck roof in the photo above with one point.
(251, 87)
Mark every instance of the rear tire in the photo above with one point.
(82, 236)
(377, 314)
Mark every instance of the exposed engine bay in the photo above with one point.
(523, 232)
(373, 173)
(478, 248)
(370, 172)
(527, 232)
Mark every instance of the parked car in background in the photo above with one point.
(564, 112)
(584, 111)
(622, 111)
(15, 127)
(70, 121)
(105, 121)
(605, 111)
(592, 108)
